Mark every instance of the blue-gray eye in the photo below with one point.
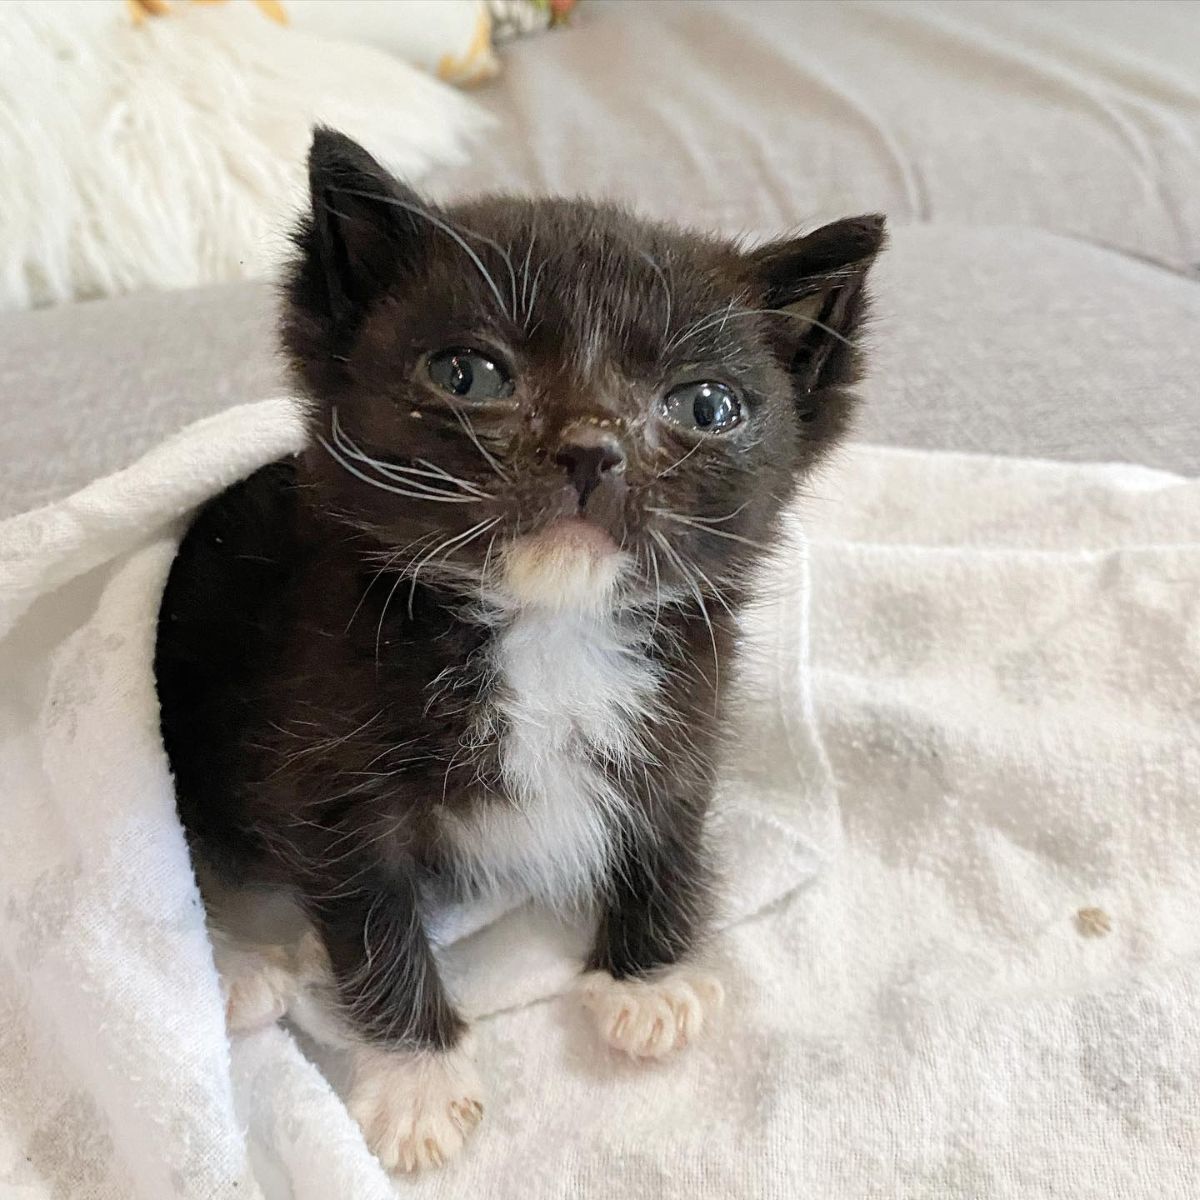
(469, 375)
(703, 407)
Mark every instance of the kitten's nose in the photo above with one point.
(587, 454)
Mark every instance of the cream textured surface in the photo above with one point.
(960, 945)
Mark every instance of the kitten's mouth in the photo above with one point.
(572, 563)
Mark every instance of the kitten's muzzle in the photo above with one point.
(588, 454)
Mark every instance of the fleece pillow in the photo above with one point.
(155, 146)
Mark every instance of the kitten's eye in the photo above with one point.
(703, 407)
(469, 375)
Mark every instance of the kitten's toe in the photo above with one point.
(258, 986)
(647, 1018)
(416, 1109)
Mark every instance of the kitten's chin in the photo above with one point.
(571, 565)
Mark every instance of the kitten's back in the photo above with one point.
(220, 627)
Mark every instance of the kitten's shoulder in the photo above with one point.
(251, 514)
(219, 629)
(232, 564)
(238, 550)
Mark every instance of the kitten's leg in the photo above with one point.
(644, 999)
(251, 932)
(414, 1089)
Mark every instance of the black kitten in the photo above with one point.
(470, 639)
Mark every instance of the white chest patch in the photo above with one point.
(572, 688)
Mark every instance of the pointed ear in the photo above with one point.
(358, 236)
(816, 284)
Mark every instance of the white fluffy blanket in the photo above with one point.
(171, 153)
(962, 930)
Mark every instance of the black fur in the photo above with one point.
(316, 677)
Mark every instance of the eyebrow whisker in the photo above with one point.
(450, 231)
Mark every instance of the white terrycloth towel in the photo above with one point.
(962, 920)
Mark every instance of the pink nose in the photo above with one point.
(587, 454)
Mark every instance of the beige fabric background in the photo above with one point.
(1077, 116)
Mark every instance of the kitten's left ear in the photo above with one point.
(815, 283)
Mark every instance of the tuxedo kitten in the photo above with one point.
(473, 640)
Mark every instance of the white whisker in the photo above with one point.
(525, 276)
(720, 520)
(666, 291)
(442, 549)
(434, 471)
(396, 472)
(533, 291)
(348, 466)
(383, 613)
(390, 562)
(704, 528)
(690, 580)
(657, 590)
(469, 430)
(679, 461)
(721, 318)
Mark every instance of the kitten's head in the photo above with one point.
(558, 402)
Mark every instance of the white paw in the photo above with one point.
(647, 1018)
(258, 986)
(416, 1109)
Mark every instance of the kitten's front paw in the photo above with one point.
(258, 986)
(647, 1018)
(416, 1109)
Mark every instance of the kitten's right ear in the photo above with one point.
(818, 281)
(361, 232)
